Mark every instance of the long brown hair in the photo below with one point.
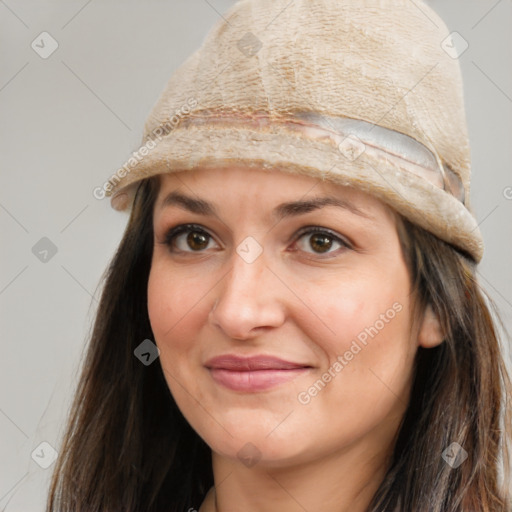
(127, 447)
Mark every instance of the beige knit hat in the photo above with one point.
(363, 93)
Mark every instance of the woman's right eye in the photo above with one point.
(195, 239)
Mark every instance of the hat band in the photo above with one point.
(353, 137)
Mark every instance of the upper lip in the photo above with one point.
(262, 362)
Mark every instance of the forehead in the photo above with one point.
(206, 190)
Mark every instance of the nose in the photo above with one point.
(250, 299)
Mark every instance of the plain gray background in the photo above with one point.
(70, 120)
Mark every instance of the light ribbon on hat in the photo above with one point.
(408, 152)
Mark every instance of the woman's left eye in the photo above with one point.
(197, 239)
(322, 239)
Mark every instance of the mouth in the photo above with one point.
(252, 374)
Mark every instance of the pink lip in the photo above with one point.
(255, 373)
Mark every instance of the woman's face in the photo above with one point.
(251, 278)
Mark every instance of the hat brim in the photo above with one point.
(388, 179)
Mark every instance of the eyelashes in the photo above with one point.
(323, 239)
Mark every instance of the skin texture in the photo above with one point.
(304, 300)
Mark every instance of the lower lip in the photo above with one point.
(256, 380)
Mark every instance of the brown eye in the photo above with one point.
(195, 240)
(321, 241)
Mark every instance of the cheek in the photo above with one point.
(161, 309)
(171, 314)
(168, 304)
(173, 299)
(363, 330)
(177, 310)
(360, 307)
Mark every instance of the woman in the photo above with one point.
(292, 320)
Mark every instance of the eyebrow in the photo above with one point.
(284, 210)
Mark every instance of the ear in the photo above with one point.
(430, 333)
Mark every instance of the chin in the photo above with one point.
(254, 447)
